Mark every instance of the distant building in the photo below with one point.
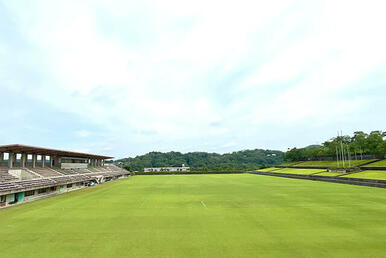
(168, 169)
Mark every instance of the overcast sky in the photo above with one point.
(124, 78)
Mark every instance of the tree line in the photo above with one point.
(204, 161)
(357, 146)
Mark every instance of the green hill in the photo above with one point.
(357, 146)
(240, 160)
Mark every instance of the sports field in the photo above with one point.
(201, 216)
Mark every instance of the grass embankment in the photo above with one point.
(299, 171)
(268, 169)
(331, 163)
(381, 163)
(201, 216)
(330, 174)
(291, 163)
(369, 174)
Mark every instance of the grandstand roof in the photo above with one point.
(18, 148)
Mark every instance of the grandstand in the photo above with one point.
(29, 172)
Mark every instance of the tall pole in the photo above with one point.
(339, 150)
(337, 157)
(341, 146)
(348, 156)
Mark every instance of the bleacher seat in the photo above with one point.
(46, 172)
(55, 176)
(5, 176)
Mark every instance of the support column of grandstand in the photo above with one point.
(28, 172)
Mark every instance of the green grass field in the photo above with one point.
(291, 163)
(299, 171)
(268, 169)
(369, 174)
(381, 163)
(201, 216)
(331, 163)
(330, 174)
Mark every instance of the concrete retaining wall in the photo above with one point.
(373, 168)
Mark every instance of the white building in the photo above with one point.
(168, 169)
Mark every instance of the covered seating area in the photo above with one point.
(29, 172)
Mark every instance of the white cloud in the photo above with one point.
(82, 133)
(154, 74)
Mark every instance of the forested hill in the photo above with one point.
(355, 146)
(240, 160)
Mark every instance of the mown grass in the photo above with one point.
(369, 174)
(330, 174)
(201, 216)
(291, 163)
(299, 171)
(268, 169)
(331, 163)
(381, 163)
